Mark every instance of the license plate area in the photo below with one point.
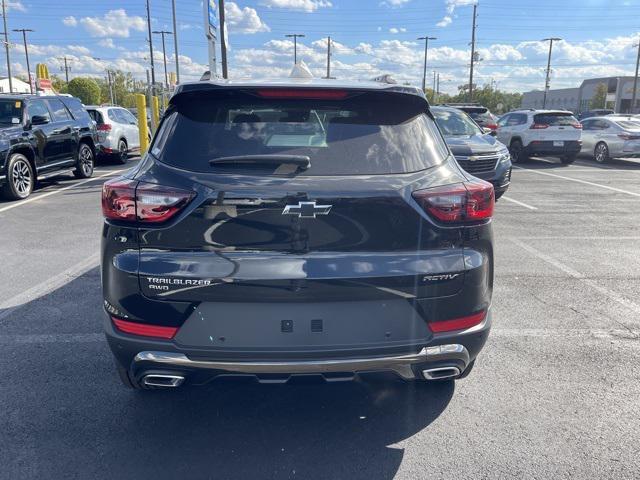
(301, 325)
(558, 143)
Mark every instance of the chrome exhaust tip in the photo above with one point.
(162, 381)
(441, 373)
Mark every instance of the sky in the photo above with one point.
(370, 37)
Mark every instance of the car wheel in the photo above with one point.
(85, 162)
(601, 153)
(123, 152)
(467, 370)
(568, 159)
(517, 152)
(20, 178)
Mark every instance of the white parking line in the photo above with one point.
(8, 306)
(614, 296)
(522, 204)
(614, 189)
(53, 192)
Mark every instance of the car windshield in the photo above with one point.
(368, 134)
(455, 123)
(11, 112)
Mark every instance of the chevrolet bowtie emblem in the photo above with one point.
(306, 209)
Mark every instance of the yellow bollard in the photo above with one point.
(155, 111)
(143, 128)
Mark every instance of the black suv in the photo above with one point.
(286, 229)
(477, 152)
(41, 136)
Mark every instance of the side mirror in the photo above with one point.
(39, 120)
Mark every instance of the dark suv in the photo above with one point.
(286, 229)
(480, 154)
(42, 136)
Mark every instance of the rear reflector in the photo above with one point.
(129, 201)
(144, 330)
(458, 203)
(303, 93)
(458, 323)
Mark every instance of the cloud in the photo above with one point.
(445, 21)
(15, 5)
(107, 43)
(395, 30)
(302, 5)
(395, 3)
(244, 20)
(70, 21)
(114, 23)
(451, 6)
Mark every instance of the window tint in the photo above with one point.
(77, 109)
(126, 116)
(452, 122)
(37, 107)
(10, 112)
(555, 119)
(504, 120)
(60, 113)
(371, 133)
(588, 125)
(96, 116)
(629, 124)
(517, 119)
(114, 115)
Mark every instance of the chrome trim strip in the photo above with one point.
(49, 165)
(2, 177)
(400, 364)
(432, 373)
(154, 381)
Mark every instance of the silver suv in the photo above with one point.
(117, 131)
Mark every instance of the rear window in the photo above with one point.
(629, 124)
(555, 119)
(371, 133)
(96, 116)
(77, 109)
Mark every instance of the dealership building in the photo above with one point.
(619, 93)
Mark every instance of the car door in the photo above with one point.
(503, 131)
(589, 131)
(131, 127)
(62, 135)
(40, 128)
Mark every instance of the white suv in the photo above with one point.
(555, 133)
(117, 131)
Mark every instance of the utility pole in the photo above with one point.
(328, 57)
(110, 87)
(26, 53)
(426, 50)
(153, 70)
(473, 51)
(6, 44)
(546, 83)
(164, 55)
(223, 41)
(65, 69)
(635, 83)
(175, 40)
(295, 45)
(438, 86)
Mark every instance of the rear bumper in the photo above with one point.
(547, 148)
(144, 357)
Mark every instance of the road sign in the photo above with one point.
(212, 18)
(44, 83)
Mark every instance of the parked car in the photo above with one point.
(481, 115)
(117, 131)
(42, 136)
(478, 153)
(604, 138)
(134, 112)
(555, 133)
(598, 112)
(253, 240)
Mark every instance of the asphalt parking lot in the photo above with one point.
(554, 394)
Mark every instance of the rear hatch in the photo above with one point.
(557, 127)
(301, 199)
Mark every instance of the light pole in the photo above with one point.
(426, 50)
(6, 44)
(164, 55)
(295, 45)
(635, 83)
(26, 52)
(546, 83)
(153, 68)
(175, 40)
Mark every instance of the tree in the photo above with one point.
(58, 84)
(86, 89)
(599, 99)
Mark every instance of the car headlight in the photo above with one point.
(504, 156)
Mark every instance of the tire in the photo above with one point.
(123, 152)
(517, 152)
(467, 370)
(20, 178)
(85, 162)
(126, 379)
(568, 159)
(601, 153)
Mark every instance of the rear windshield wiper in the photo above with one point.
(302, 162)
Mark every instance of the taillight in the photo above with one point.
(538, 126)
(144, 330)
(627, 136)
(304, 93)
(104, 127)
(458, 203)
(492, 126)
(577, 125)
(457, 323)
(130, 201)
(119, 199)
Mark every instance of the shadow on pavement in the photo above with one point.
(66, 415)
(551, 163)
